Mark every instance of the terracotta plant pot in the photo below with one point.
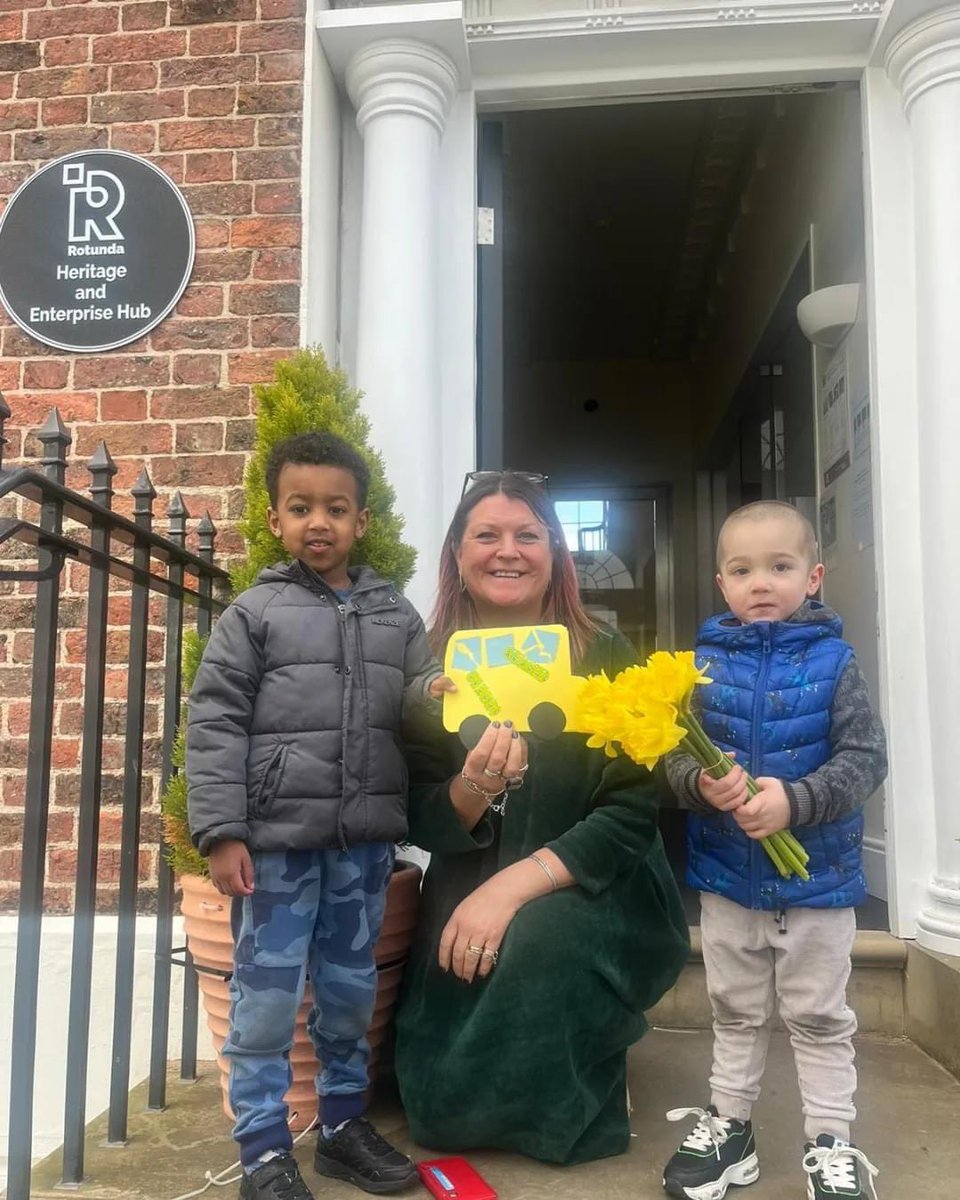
(206, 918)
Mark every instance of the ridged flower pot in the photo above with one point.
(206, 919)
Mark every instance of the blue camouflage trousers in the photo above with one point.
(316, 911)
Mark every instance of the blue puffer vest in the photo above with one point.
(770, 700)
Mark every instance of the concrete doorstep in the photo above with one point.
(909, 1118)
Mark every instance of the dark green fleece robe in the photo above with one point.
(533, 1058)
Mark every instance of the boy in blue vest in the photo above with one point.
(789, 701)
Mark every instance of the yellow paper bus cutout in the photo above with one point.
(520, 674)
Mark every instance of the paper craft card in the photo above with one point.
(521, 674)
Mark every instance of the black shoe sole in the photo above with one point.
(378, 1187)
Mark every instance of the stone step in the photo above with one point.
(875, 991)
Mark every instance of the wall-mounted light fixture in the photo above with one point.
(827, 314)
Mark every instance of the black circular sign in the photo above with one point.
(95, 250)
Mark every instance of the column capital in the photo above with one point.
(925, 54)
(402, 76)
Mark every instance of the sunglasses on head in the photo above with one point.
(474, 477)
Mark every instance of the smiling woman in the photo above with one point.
(548, 890)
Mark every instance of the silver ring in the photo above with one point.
(513, 783)
(491, 774)
(475, 950)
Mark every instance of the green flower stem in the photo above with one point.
(783, 849)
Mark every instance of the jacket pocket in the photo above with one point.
(270, 784)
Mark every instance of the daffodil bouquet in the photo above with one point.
(646, 712)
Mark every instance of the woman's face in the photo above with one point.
(505, 559)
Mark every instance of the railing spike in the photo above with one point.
(55, 437)
(177, 507)
(102, 469)
(144, 485)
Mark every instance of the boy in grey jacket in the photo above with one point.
(297, 793)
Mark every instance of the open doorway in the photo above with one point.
(639, 270)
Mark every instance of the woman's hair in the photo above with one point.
(562, 606)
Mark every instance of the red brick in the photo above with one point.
(200, 335)
(46, 373)
(190, 403)
(65, 753)
(133, 47)
(126, 439)
(62, 865)
(13, 753)
(199, 437)
(63, 81)
(171, 165)
(269, 98)
(135, 139)
(6, 86)
(18, 718)
(213, 39)
(199, 135)
(268, 164)
(209, 71)
(123, 405)
(209, 167)
(211, 233)
(15, 790)
(6, 145)
(11, 27)
(60, 52)
(205, 12)
(201, 302)
(222, 265)
(265, 231)
(279, 10)
(141, 106)
(287, 64)
(209, 470)
(277, 264)
(196, 368)
(280, 131)
(239, 435)
(10, 375)
(54, 142)
(149, 15)
(60, 827)
(14, 340)
(212, 102)
(277, 198)
(66, 110)
(19, 56)
(271, 35)
(93, 18)
(254, 368)
(33, 408)
(120, 370)
(133, 77)
(247, 299)
(19, 115)
(220, 199)
(274, 331)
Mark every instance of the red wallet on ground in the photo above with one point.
(454, 1179)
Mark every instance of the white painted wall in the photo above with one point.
(53, 1008)
(811, 185)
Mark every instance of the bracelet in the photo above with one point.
(478, 790)
(546, 870)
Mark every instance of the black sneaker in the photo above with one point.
(278, 1179)
(833, 1169)
(359, 1154)
(717, 1153)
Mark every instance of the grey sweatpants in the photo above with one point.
(752, 970)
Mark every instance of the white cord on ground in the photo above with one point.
(218, 1180)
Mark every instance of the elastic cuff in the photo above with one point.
(337, 1108)
(731, 1106)
(272, 1137)
(803, 807)
(814, 1126)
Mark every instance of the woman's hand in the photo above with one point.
(498, 761)
(439, 685)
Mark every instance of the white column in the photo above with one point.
(923, 62)
(402, 92)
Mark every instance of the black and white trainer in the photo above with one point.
(835, 1168)
(718, 1153)
(357, 1153)
(278, 1179)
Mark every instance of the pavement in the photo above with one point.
(908, 1125)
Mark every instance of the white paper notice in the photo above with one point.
(834, 423)
(861, 492)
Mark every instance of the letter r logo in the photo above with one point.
(95, 199)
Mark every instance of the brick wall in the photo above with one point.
(211, 91)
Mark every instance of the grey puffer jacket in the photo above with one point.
(294, 717)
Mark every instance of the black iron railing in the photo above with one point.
(113, 546)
